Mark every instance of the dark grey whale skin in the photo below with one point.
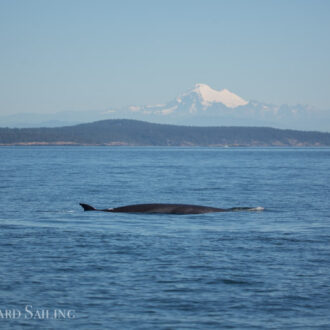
(167, 209)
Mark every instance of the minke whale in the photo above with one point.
(169, 209)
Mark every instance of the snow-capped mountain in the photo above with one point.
(199, 106)
(200, 98)
(203, 106)
(207, 96)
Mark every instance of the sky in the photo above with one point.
(79, 55)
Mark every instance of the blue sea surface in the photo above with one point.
(62, 268)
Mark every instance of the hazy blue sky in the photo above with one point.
(81, 55)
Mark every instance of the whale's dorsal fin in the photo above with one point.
(87, 207)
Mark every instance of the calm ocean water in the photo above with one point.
(62, 268)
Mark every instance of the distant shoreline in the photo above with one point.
(132, 133)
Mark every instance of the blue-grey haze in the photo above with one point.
(84, 55)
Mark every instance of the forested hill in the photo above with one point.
(139, 133)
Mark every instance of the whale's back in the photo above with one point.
(166, 209)
(169, 209)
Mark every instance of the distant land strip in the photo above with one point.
(123, 132)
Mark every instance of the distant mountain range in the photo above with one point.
(199, 106)
(138, 133)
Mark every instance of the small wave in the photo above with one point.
(258, 208)
(238, 282)
(229, 281)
